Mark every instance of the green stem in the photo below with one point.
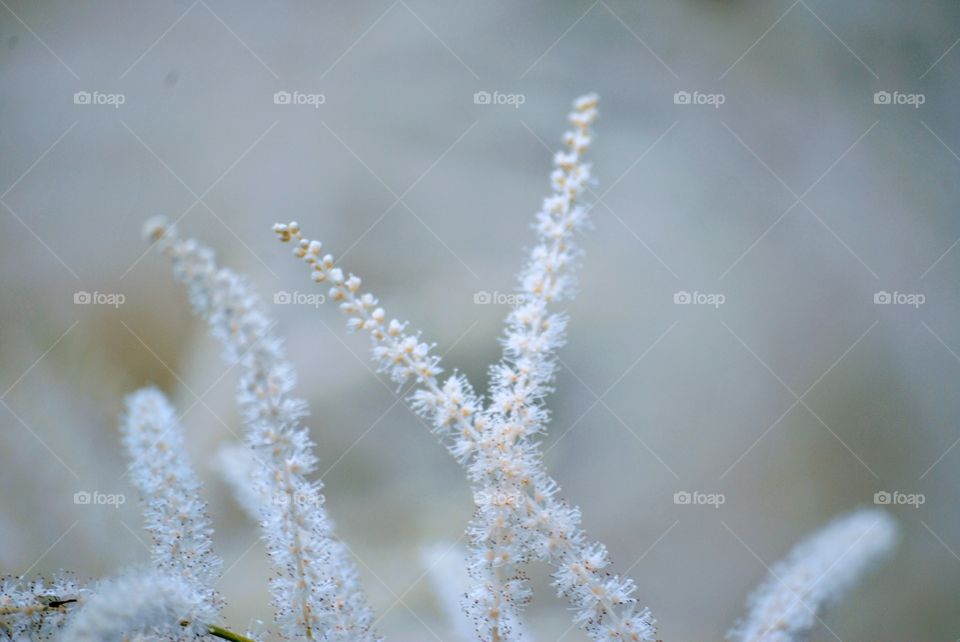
(221, 632)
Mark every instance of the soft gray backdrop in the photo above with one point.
(798, 199)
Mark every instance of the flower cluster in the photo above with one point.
(519, 515)
(161, 607)
(816, 573)
(175, 515)
(316, 592)
(37, 610)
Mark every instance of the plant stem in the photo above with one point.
(223, 633)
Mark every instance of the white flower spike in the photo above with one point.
(316, 591)
(816, 573)
(175, 514)
(162, 607)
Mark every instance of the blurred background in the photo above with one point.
(743, 155)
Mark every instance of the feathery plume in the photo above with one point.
(533, 333)
(316, 593)
(816, 573)
(163, 607)
(175, 514)
(519, 515)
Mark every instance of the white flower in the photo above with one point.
(316, 591)
(163, 607)
(175, 515)
(38, 609)
(816, 573)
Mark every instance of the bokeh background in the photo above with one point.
(797, 199)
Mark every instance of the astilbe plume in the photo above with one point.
(816, 573)
(174, 513)
(519, 515)
(164, 608)
(316, 592)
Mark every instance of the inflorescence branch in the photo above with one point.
(519, 515)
